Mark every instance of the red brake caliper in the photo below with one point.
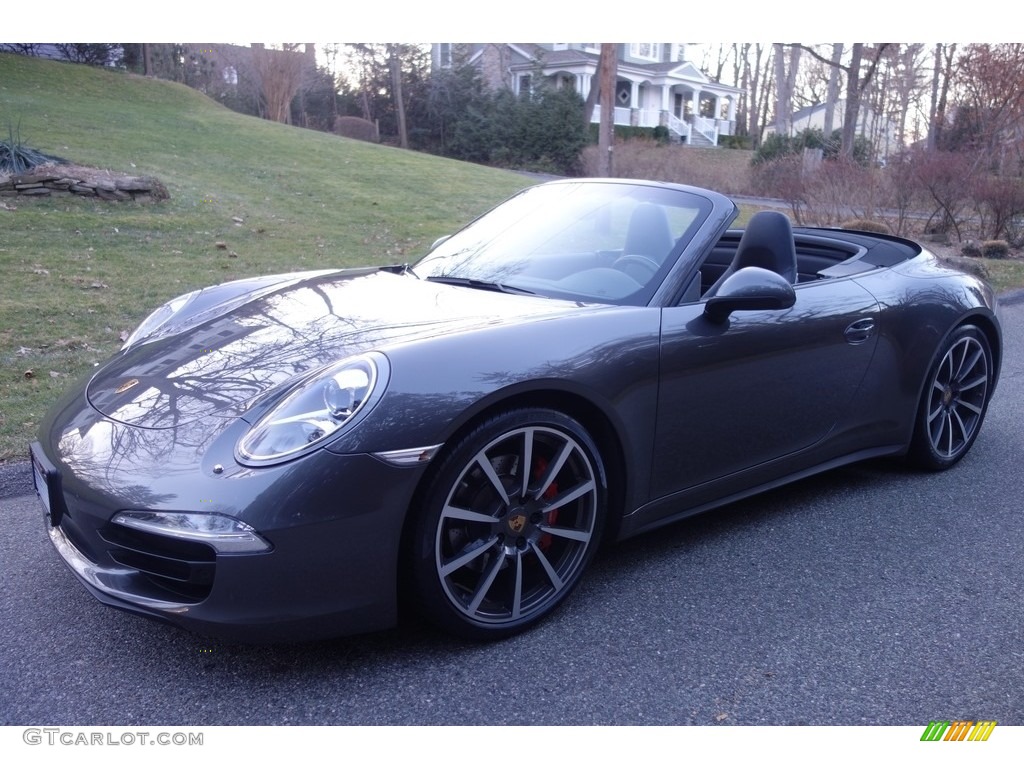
(540, 466)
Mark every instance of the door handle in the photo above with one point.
(859, 331)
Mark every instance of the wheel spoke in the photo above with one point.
(553, 469)
(527, 462)
(457, 513)
(467, 557)
(948, 427)
(517, 595)
(570, 495)
(938, 429)
(969, 406)
(960, 423)
(485, 585)
(553, 576)
(966, 368)
(982, 379)
(567, 533)
(488, 468)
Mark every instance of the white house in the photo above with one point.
(878, 129)
(656, 85)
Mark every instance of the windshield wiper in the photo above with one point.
(482, 285)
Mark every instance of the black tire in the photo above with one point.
(954, 400)
(510, 520)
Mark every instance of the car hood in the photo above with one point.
(219, 366)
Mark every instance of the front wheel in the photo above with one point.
(510, 521)
(954, 401)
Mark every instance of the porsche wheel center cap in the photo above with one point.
(947, 396)
(516, 522)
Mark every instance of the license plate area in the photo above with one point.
(46, 479)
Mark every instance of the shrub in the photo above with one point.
(943, 178)
(356, 128)
(783, 178)
(777, 145)
(15, 157)
(774, 147)
(995, 249)
(971, 250)
(999, 200)
(709, 167)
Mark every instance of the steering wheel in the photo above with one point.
(629, 262)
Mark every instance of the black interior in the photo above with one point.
(820, 254)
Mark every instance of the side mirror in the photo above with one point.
(749, 288)
(438, 242)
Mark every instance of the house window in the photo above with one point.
(649, 51)
(524, 85)
(230, 75)
(679, 51)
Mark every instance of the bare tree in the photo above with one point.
(855, 87)
(785, 81)
(832, 93)
(941, 77)
(905, 85)
(280, 76)
(991, 99)
(395, 65)
(607, 74)
(758, 83)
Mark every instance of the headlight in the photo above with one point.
(158, 317)
(336, 398)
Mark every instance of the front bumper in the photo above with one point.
(334, 523)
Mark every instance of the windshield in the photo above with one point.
(592, 241)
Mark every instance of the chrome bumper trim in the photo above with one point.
(109, 581)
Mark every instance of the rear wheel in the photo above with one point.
(511, 520)
(954, 401)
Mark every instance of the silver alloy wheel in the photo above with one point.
(957, 396)
(517, 526)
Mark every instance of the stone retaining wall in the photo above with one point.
(43, 182)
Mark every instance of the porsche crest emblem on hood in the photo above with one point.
(126, 385)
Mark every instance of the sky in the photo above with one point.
(465, 21)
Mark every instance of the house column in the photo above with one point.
(716, 112)
(695, 104)
(732, 109)
(634, 95)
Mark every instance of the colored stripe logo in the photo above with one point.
(958, 730)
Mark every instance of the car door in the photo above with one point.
(759, 386)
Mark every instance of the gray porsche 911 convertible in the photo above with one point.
(296, 456)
